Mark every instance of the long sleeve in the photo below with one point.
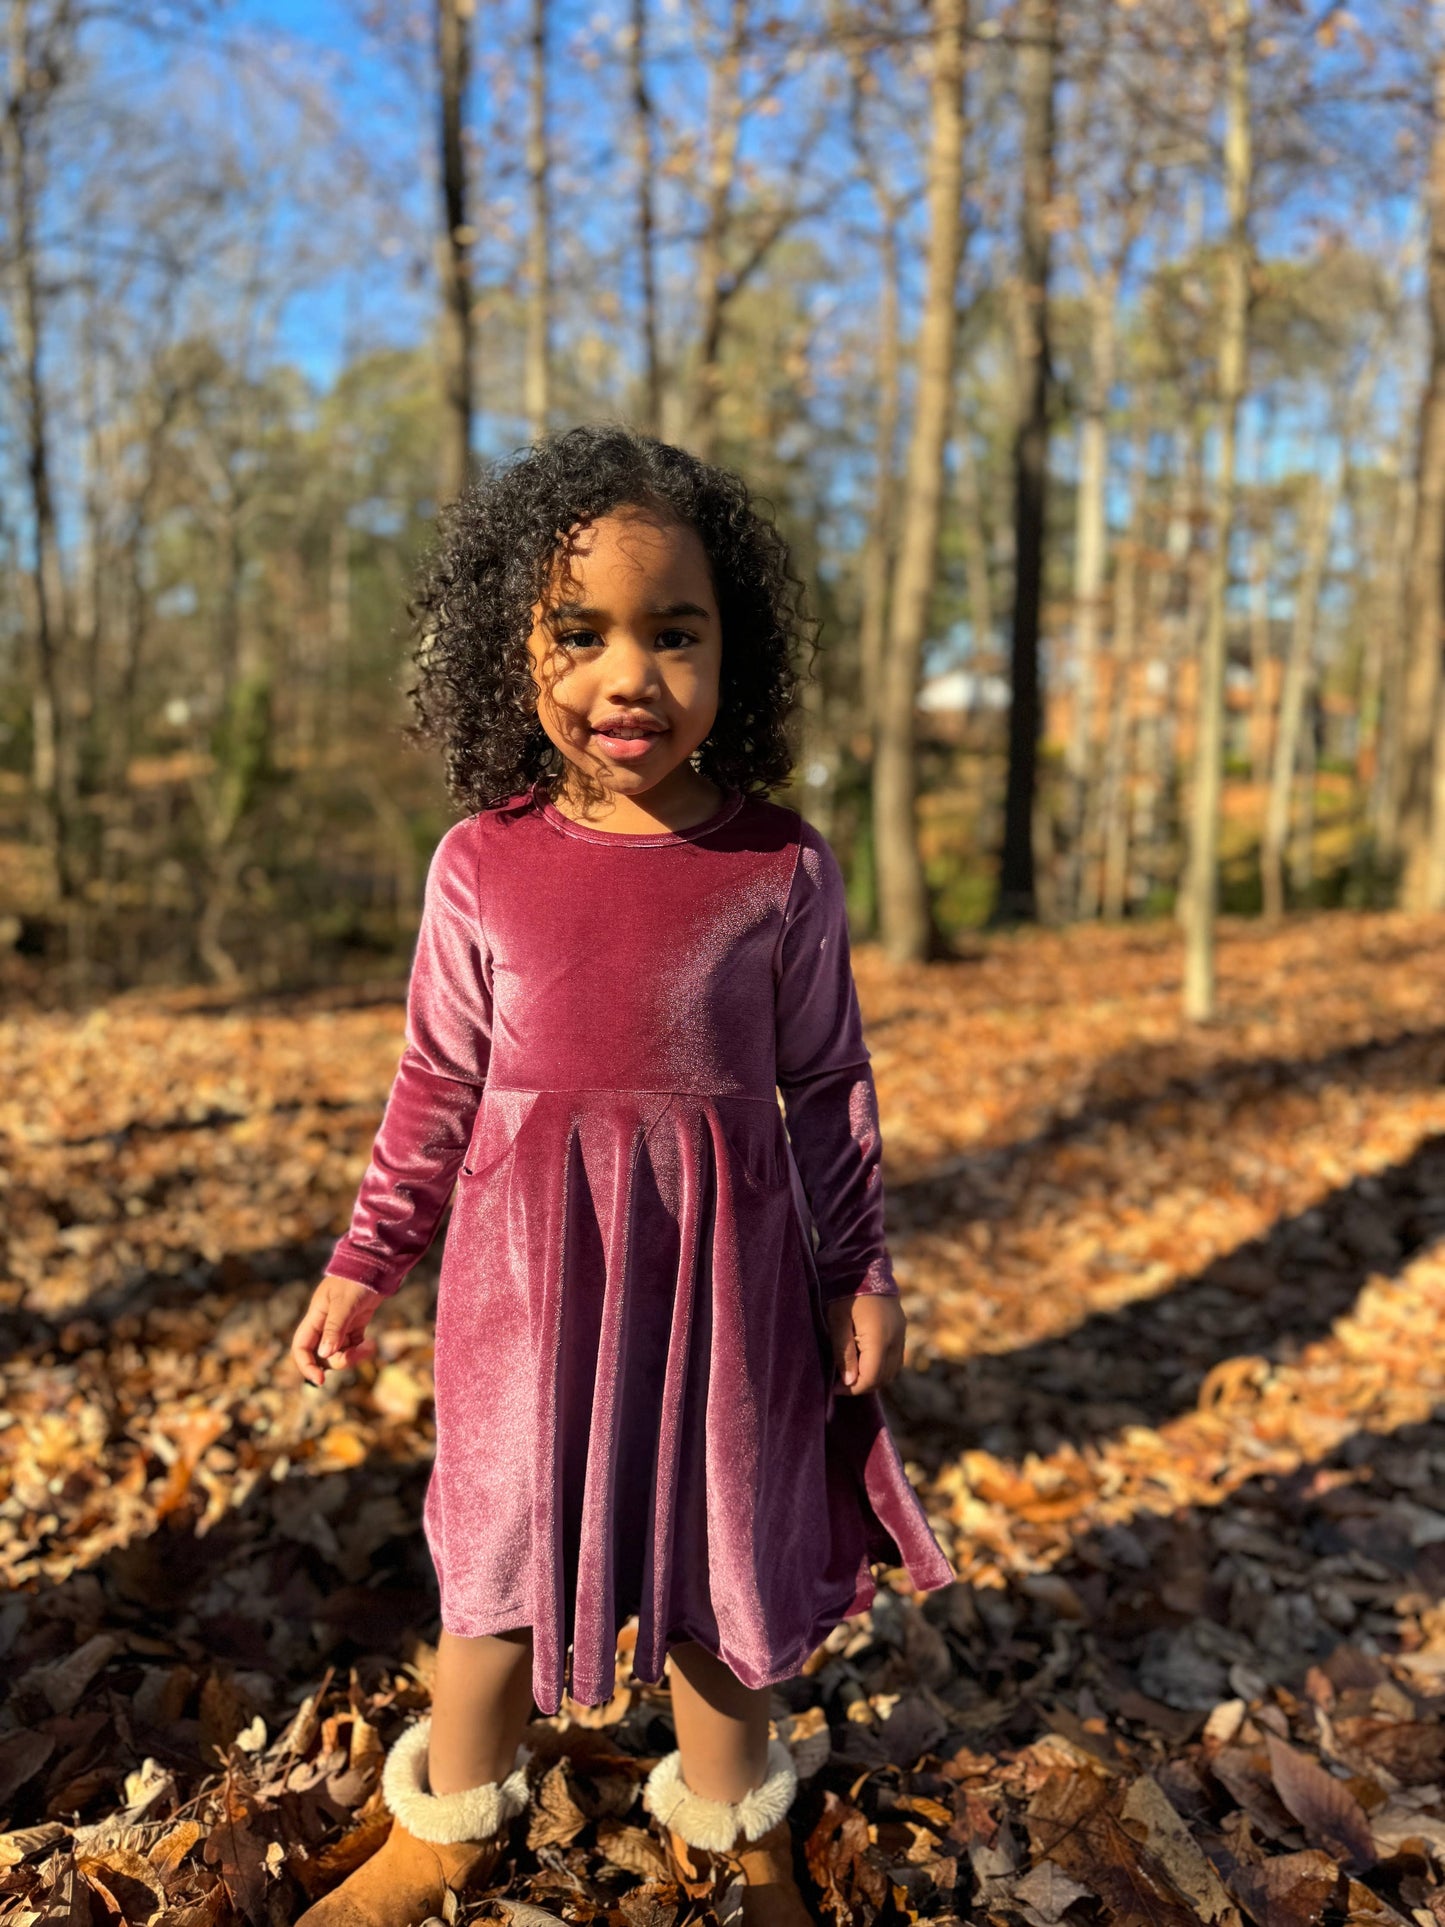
(435, 1094)
(829, 1100)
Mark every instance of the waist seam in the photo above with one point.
(627, 1090)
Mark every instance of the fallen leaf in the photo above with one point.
(126, 1882)
(840, 1860)
(556, 1818)
(237, 1851)
(63, 1681)
(25, 1842)
(1330, 1814)
(634, 1850)
(173, 1846)
(1288, 1889)
(1047, 1890)
(1072, 1822)
(1410, 1751)
(1168, 1840)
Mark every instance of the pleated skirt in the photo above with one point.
(635, 1400)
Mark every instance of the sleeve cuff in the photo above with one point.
(876, 1282)
(379, 1274)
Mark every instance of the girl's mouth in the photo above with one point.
(627, 745)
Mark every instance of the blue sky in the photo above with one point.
(380, 292)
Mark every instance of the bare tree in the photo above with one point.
(881, 540)
(1325, 493)
(737, 239)
(1016, 896)
(41, 44)
(454, 244)
(643, 146)
(1321, 506)
(1261, 582)
(905, 923)
(973, 533)
(1115, 202)
(536, 382)
(1200, 893)
(1387, 660)
(1425, 624)
(1112, 809)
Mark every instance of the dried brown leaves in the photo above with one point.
(1175, 1370)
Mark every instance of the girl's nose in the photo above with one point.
(631, 665)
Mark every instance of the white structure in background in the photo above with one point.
(955, 690)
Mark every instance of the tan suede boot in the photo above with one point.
(437, 1840)
(716, 1840)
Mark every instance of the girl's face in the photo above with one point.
(626, 651)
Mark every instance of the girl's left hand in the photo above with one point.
(867, 1340)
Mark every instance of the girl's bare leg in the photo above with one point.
(481, 1702)
(722, 1725)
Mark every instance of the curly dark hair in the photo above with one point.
(492, 562)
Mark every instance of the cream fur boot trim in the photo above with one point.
(445, 1819)
(715, 1825)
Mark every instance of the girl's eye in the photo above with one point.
(578, 638)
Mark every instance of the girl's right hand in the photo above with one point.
(331, 1334)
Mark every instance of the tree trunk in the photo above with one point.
(230, 570)
(1302, 844)
(1201, 884)
(1298, 681)
(52, 768)
(121, 739)
(1016, 897)
(1373, 647)
(1179, 625)
(537, 375)
(1105, 875)
(1091, 535)
(1385, 791)
(646, 252)
(905, 924)
(881, 540)
(1426, 595)
(133, 595)
(725, 109)
(1261, 574)
(1295, 739)
(1114, 801)
(90, 615)
(749, 237)
(454, 271)
(244, 743)
(973, 534)
(338, 626)
(878, 549)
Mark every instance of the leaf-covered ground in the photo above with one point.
(1174, 1403)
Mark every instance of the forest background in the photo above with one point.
(1092, 355)
(1083, 351)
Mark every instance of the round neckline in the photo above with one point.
(644, 839)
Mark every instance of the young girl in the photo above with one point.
(654, 1394)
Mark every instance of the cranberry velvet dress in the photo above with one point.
(635, 1396)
